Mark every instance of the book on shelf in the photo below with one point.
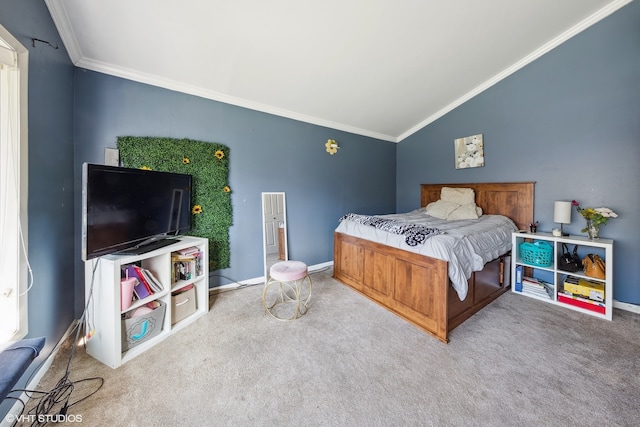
(566, 294)
(536, 291)
(185, 267)
(518, 278)
(584, 303)
(199, 268)
(198, 260)
(147, 285)
(586, 288)
(191, 250)
(536, 286)
(153, 282)
(140, 290)
(180, 270)
(144, 279)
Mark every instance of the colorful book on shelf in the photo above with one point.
(185, 267)
(581, 298)
(140, 290)
(192, 250)
(583, 303)
(586, 288)
(143, 278)
(179, 257)
(151, 280)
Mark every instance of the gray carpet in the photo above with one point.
(349, 362)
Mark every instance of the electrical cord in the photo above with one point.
(54, 404)
(239, 285)
(248, 285)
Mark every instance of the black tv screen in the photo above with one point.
(125, 210)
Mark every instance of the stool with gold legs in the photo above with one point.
(287, 293)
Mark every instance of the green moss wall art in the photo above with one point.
(208, 164)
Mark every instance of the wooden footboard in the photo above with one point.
(411, 285)
(417, 287)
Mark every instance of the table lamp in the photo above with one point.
(562, 214)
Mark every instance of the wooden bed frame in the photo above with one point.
(417, 287)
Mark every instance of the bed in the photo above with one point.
(417, 287)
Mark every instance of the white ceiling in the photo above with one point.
(380, 68)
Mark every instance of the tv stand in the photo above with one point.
(148, 247)
(102, 288)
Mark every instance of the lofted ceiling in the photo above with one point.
(380, 68)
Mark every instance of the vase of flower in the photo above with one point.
(594, 217)
(593, 229)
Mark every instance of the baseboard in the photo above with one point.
(260, 280)
(321, 266)
(626, 306)
(236, 285)
(10, 417)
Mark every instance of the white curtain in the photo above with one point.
(9, 193)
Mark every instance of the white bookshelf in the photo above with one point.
(103, 288)
(556, 276)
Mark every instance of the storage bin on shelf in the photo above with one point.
(142, 324)
(539, 253)
(183, 303)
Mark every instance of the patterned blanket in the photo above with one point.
(414, 234)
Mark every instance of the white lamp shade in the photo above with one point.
(562, 212)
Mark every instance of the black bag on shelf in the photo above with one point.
(567, 261)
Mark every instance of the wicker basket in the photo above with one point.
(539, 253)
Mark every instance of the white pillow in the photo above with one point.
(467, 211)
(461, 196)
(441, 208)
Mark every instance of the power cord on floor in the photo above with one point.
(248, 285)
(53, 405)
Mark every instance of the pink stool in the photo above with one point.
(291, 297)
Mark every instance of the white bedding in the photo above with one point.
(467, 245)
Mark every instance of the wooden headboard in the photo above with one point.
(511, 199)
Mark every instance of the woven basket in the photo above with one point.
(539, 253)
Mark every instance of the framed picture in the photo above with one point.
(469, 152)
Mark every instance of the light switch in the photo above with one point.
(111, 157)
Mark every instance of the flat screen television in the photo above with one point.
(132, 211)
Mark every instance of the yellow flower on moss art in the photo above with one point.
(219, 154)
(196, 210)
(226, 189)
(186, 160)
(145, 168)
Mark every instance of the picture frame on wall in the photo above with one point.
(469, 152)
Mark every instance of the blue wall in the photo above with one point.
(569, 121)
(267, 153)
(51, 204)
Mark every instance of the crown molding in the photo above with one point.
(178, 86)
(63, 25)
